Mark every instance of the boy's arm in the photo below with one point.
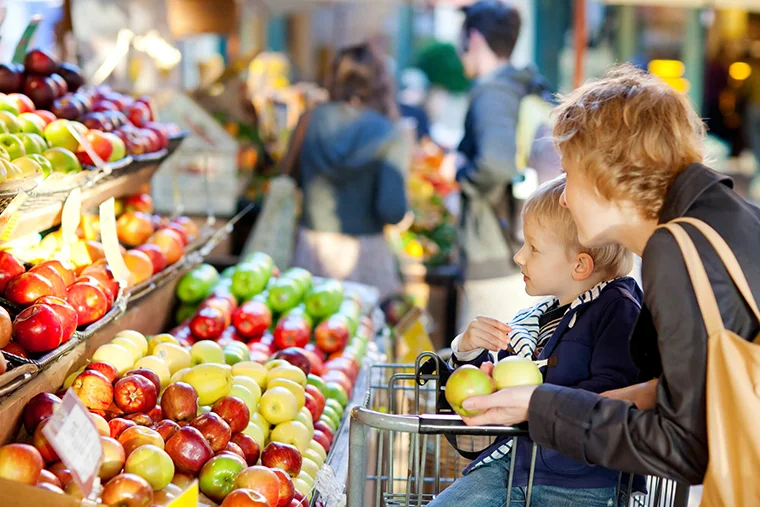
(611, 364)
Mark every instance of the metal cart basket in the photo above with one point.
(398, 458)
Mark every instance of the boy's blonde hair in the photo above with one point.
(630, 134)
(544, 208)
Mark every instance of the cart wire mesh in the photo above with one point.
(399, 458)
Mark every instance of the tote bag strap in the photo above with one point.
(708, 305)
(728, 258)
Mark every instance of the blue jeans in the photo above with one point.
(486, 486)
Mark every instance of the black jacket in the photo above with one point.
(671, 439)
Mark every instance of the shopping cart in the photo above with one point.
(397, 457)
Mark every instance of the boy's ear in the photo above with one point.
(584, 267)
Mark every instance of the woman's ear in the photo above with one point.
(584, 267)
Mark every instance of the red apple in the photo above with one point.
(287, 490)
(313, 406)
(134, 228)
(208, 323)
(40, 407)
(127, 490)
(137, 436)
(234, 411)
(140, 419)
(322, 440)
(103, 274)
(20, 463)
(26, 288)
(262, 480)
(96, 282)
(38, 328)
(292, 331)
(110, 371)
(339, 378)
(233, 448)
(135, 393)
(23, 103)
(214, 429)
(138, 114)
(51, 275)
(139, 202)
(246, 498)
(10, 267)
(296, 357)
(332, 335)
(99, 144)
(180, 402)
(119, 425)
(299, 500)
(166, 428)
(156, 413)
(190, 227)
(66, 274)
(318, 396)
(156, 256)
(90, 302)
(250, 448)
(284, 456)
(66, 312)
(15, 349)
(324, 428)
(180, 232)
(160, 131)
(189, 450)
(345, 364)
(170, 244)
(94, 389)
(251, 319)
(41, 443)
(148, 374)
(47, 116)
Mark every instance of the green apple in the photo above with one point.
(12, 125)
(516, 371)
(119, 149)
(206, 351)
(28, 166)
(42, 145)
(152, 464)
(57, 134)
(30, 143)
(3, 128)
(44, 163)
(4, 154)
(332, 414)
(14, 145)
(335, 391)
(217, 477)
(79, 127)
(329, 422)
(31, 123)
(335, 404)
(12, 171)
(62, 160)
(465, 382)
(317, 382)
(8, 106)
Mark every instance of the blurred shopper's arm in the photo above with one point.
(390, 201)
(493, 117)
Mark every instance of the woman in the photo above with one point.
(632, 150)
(351, 168)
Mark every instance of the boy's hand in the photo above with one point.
(485, 333)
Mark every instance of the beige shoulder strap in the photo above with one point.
(708, 305)
(728, 258)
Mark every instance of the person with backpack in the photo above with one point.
(487, 158)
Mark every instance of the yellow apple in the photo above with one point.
(244, 394)
(305, 478)
(249, 384)
(206, 351)
(274, 363)
(304, 417)
(128, 344)
(160, 338)
(317, 447)
(70, 379)
(175, 357)
(262, 423)
(115, 355)
(278, 405)
(309, 466)
(179, 376)
(253, 370)
(293, 433)
(302, 487)
(136, 337)
(157, 366)
(253, 431)
(289, 372)
(211, 381)
(291, 386)
(314, 455)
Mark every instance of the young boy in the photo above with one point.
(584, 323)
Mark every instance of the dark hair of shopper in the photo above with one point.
(497, 22)
(359, 76)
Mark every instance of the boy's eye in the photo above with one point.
(533, 249)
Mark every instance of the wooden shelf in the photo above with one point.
(39, 213)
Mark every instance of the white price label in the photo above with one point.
(71, 216)
(76, 440)
(111, 242)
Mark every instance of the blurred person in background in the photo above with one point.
(412, 96)
(351, 169)
(486, 162)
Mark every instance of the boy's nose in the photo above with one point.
(563, 199)
(518, 258)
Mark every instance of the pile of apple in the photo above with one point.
(167, 414)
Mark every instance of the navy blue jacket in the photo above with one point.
(592, 354)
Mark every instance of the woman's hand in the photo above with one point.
(644, 396)
(484, 333)
(507, 407)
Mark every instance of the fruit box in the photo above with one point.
(17, 494)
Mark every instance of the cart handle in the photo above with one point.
(454, 425)
(431, 424)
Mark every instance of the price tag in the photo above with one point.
(76, 440)
(85, 144)
(111, 242)
(10, 218)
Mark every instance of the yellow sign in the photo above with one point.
(188, 498)
(412, 338)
